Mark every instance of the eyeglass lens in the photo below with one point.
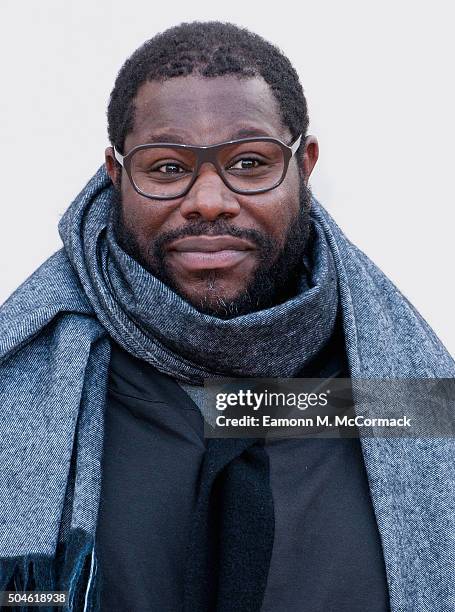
(167, 171)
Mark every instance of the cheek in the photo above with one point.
(277, 209)
(143, 216)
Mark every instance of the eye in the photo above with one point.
(246, 163)
(169, 168)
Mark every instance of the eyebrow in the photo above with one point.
(249, 133)
(165, 137)
(171, 137)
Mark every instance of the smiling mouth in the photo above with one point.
(210, 252)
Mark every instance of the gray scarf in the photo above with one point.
(155, 324)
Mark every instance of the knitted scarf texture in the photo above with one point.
(55, 334)
(155, 324)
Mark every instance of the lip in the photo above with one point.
(209, 252)
(209, 244)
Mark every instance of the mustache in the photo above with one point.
(220, 227)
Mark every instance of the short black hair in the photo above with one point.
(210, 49)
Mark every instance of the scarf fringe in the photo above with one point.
(73, 569)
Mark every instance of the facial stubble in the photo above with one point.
(275, 279)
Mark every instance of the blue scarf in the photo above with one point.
(155, 324)
(54, 357)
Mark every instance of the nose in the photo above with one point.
(209, 198)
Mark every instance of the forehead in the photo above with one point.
(204, 111)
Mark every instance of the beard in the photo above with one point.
(275, 280)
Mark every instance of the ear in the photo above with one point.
(310, 156)
(112, 166)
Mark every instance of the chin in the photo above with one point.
(211, 297)
(214, 297)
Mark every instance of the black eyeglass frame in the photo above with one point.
(208, 154)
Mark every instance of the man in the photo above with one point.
(199, 251)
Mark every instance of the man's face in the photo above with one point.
(255, 259)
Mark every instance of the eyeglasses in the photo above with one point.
(164, 171)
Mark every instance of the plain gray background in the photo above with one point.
(379, 82)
